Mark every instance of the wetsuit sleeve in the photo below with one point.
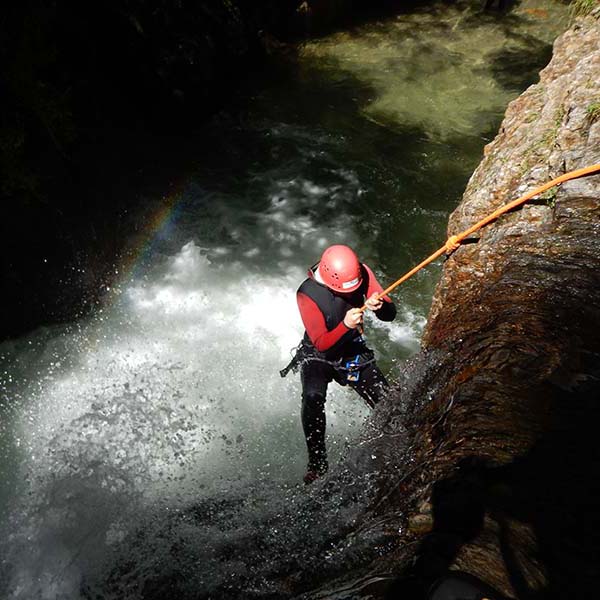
(388, 311)
(316, 328)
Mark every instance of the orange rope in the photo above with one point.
(456, 239)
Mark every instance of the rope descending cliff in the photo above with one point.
(454, 241)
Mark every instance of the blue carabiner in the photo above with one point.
(353, 370)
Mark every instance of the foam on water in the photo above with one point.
(170, 396)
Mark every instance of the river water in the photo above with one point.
(152, 450)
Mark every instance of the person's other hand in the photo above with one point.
(374, 302)
(353, 318)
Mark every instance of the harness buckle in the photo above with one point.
(352, 368)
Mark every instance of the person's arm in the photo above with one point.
(387, 312)
(316, 328)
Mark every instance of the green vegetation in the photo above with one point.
(550, 196)
(532, 117)
(546, 140)
(593, 111)
(559, 118)
(580, 8)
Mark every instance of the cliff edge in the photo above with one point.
(501, 406)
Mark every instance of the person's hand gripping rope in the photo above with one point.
(354, 317)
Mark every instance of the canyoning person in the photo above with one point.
(333, 348)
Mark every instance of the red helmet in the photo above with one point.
(340, 270)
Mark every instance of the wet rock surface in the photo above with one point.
(498, 475)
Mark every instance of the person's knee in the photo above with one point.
(313, 412)
(372, 387)
(313, 407)
(313, 399)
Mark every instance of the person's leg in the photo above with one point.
(314, 425)
(372, 385)
(315, 377)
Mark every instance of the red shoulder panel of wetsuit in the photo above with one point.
(314, 323)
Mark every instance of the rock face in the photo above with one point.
(503, 402)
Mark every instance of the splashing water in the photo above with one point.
(169, 398)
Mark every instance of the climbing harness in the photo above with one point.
(293, 364)
(353, 368)
(349, 369)
(453, 240)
